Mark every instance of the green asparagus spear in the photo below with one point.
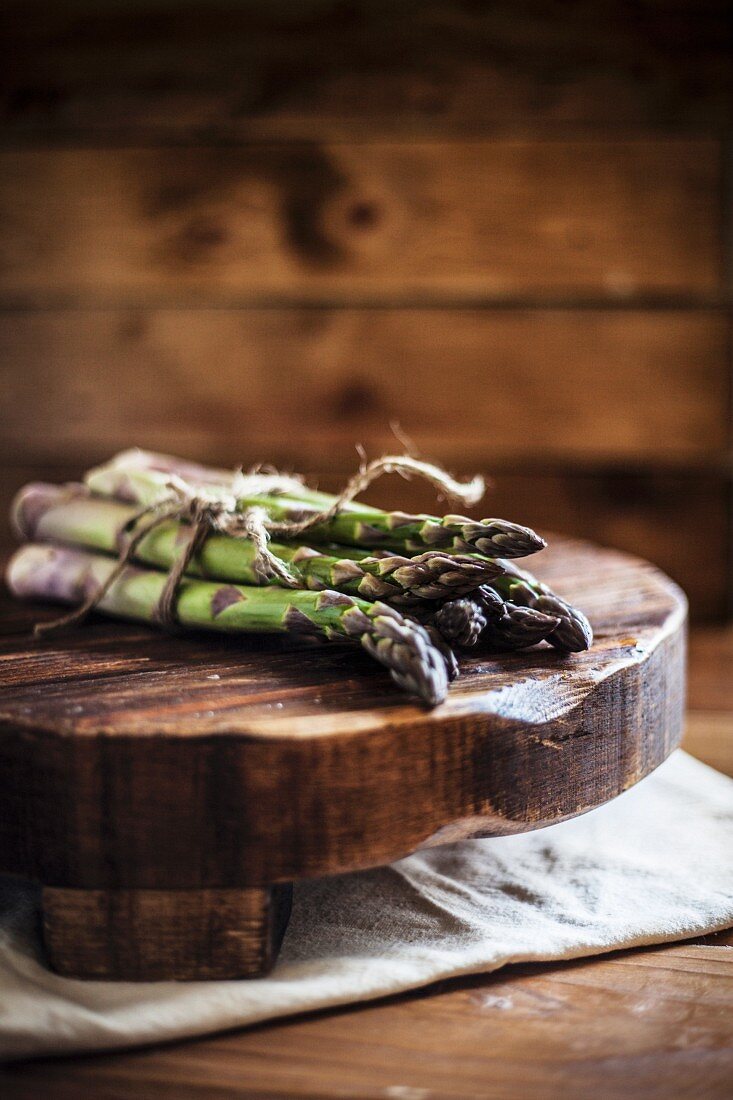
(70, 575)
(498, 625)
(440, 643)
(356, 524)
(460, 622)
(518, 628)
(69, 514)
(573, 633)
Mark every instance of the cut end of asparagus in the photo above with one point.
(33, 501)
(461, 621)
(405, 648)
(45, 572)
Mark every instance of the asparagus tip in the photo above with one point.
(573, 634)
(436, 575)
(461, 621)
(451, 664)
(520, 628)
(405, 648)
(494, 537)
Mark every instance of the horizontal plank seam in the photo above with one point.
(99, 139)
(661, 303)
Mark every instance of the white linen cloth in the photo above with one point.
(655, 864)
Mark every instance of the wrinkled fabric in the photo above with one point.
(656, 864)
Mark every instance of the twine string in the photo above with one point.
(79, 614)
(467, 492)
(213, 508)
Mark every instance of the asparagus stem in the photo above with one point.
(356, 524)
(70, 514)
(403, 531)
(69, 575)
(429, 576)
(200, 476)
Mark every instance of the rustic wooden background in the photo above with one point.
(248, 231)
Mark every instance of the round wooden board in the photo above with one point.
(132, 759)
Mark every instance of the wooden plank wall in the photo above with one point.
(248, 231)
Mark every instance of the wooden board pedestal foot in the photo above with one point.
(150, 935)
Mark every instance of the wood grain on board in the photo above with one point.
(651, 1023)
(350, 222)
(321, 68)
(139, 761)
(583, 385)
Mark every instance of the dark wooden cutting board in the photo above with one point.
(165, 790)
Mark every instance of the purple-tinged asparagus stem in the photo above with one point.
(463, 621)
(433, 575)
(407, 650)
(71, 576)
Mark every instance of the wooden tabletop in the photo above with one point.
(648, 1023)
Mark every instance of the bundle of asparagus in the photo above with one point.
(514, 611)
(147, 532)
